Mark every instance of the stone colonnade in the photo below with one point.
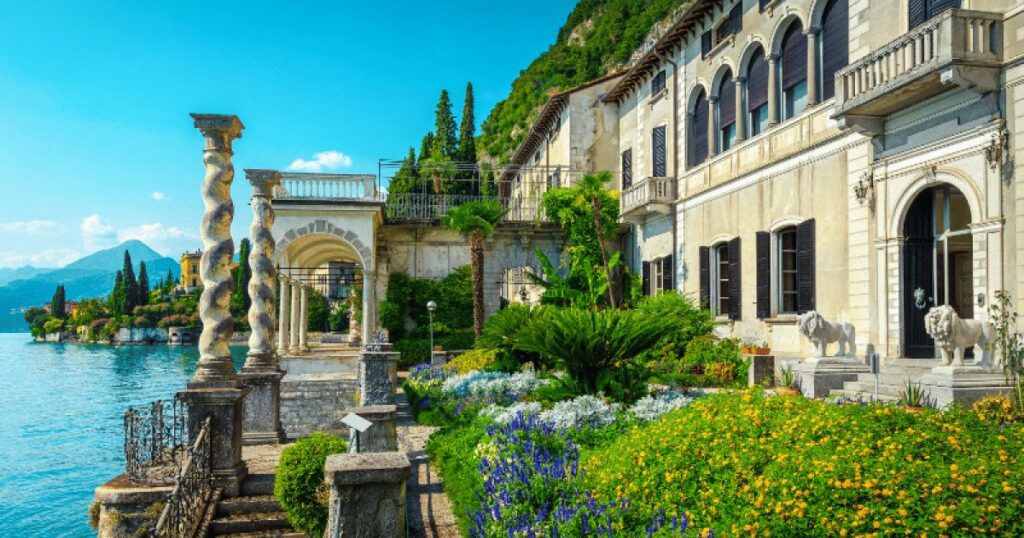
(294, 316)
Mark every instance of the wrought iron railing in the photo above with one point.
(154, 441)
(428, 207)
(186, 507)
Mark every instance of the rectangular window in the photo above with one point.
(660, 165)
(720, 280)
(787, 283)
(657, 277)
(705, 43)
(758, 120)
(728, 136)
(794, 100)
(627, 168)
(658, 83)
(731, 25)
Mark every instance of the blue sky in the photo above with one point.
(96, 145)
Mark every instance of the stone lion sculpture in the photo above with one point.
(822, 332)
(953, 335)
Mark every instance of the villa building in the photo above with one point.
(190, 271)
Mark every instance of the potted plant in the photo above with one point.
(761, 349)
(913, 398)
(786, 383)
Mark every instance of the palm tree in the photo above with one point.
(477, 220)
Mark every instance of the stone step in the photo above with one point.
(254, 522)
(861, 395)
(258, 484)
(276, 533)
(248, 505)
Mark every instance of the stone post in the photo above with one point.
(378, 377)
(293, 336)
(367, 494)
(262, 374)
(215, 391)
(712, 126)
(368, 315)
(741, 111)
(304, 320)
(812, 66)
(285, 314)
(773, 89)
(382, 436)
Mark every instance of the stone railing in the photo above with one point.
(326, 187)
(187, 506)
(652, 194)
(955, 38)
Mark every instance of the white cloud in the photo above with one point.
(54, 257)
(32, 227)
(157, 195)
(167, 240)
(325, 160)
(97, 233)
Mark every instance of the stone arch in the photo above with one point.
(815, 13)
(930, 178)
(328, 231)
(780, 30)
(743, 66)
(693, 92)
(726, 68)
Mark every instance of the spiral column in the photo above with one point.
(215, 391)
(261, 373)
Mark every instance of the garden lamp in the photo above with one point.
(431, 306)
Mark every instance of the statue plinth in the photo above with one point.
(964, 384)
(818, 376)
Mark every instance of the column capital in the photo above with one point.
(712, 99)
(740, 80)
(773, 57)
(219, 129)
(263, 181)
(813, 31)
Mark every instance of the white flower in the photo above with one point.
(504, 415)
(651, 407)
(580, 411)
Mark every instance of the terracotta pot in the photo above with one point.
(762, 351)
(912, 409)
(438, 348)
(787, 391)
(746, 349)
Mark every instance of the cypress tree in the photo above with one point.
(425, 146)
(169, 281)
(131, 285)
(467, 129)
(116, 299)
(445, 142)
(405, 178)
(143, 284)
(242, 276)
(58, 304)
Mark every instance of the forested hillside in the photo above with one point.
(598, 37)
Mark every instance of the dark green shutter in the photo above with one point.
(735, 270)
(667, 276)
(805, 266)
(646, 277)
(627, 168)
(764, 275)
(704, 255)
(660, 168)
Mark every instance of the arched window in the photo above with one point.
(727, 112)
(922, 10)
(757, 93)
(698, 152)
(834, 43)
(794, 71)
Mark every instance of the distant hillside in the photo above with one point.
(91, 276)
(597, 38)
(10, 275)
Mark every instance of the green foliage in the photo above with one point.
(479, 217)
(337, 320)
(407, 178)
(117, 301)
(417, 350)
(451, 449)
(1007, 343)
(318, 310)
(445, 143)
(58, 305)
(405, 302)
(131, 285)
(299, 483)
(474, 359)
(243, 273)
(425, 145)
(53, 325)
(913, 395)
(501, 334)
(597, 38)
(467, 129)
(143, 284)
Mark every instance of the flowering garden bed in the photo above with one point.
(517, 460)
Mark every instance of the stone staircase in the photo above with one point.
(255, 513)
(891, 381)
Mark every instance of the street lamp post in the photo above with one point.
(431, 306)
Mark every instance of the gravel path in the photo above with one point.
(430, 515)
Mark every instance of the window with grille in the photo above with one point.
(658, 83)
(720, 280)
(786, 240)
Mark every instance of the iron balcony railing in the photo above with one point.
(649, 193)
(154, 441)
(431, 207)
(193, 488)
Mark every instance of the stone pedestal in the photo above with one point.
(820, 375)
(382, 436)
(761, 370)
(378, 377)
(367, 494)
(126, 509)
(964, 384)
(261, 423)
(224, 408)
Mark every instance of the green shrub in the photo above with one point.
(474, 359)
(681, 310)
(452, 450)
(417, 350)
(501, 333)
(299, 485)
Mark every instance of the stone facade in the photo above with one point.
(310, 405)
(367, 494)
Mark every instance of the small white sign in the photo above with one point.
(356, 422)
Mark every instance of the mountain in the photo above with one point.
(598, 37)
(91, 276)
(18, 273)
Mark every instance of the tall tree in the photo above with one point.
(116, 300)
(242, 276)
(169, 281)
(477, 220)
(58, 305)
(445, 142)
(425, 147)
(131, 285)
(143, 284)
(406, 178)
(467, 129)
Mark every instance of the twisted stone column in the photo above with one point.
(304, 319)
(284, 314)
(215, 391)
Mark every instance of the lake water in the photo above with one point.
(61, 424)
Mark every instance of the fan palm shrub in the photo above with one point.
(476, 220)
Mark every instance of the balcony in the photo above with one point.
(648, 196)
(327, 187)
(958, 47)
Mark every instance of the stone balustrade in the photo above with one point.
(649, 195)
(326, 187)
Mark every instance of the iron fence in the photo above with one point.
(155, 437)
(193, 487)
(430, 207)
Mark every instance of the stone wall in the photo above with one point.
(316, 403)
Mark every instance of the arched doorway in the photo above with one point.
(937, 263)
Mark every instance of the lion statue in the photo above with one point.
(822, 332)
(953, 335)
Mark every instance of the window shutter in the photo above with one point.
(704, 253)
(658, 82)
(699, 131)
(736, 18)
(805, 266)
(757, 81)
(647, 277)
(762, 4)
(667, 276)
(658, 143)
(835, 44)
(917, 13)
(735, 303)
(726, 102)
(794, 56)
(627, 168)
(705, 43)
(764, 275)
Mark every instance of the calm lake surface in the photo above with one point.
(61, 424)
